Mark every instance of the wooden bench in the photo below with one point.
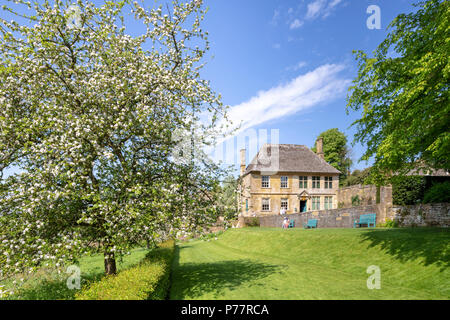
(368, 219)
(312, 223)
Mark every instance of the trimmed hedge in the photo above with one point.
(149, 280)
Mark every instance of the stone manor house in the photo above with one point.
(287, 176)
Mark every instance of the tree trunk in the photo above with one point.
(110, 263)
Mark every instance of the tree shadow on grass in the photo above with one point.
(54, 288)
(192, 280)
(432, 245)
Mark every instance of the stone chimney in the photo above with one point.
(242, 161)
(319, 148)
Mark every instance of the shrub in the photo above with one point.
(356, 201)
(149, 280)
(389, 224)
(253, 222)
(407, 190)
(211, 235)
(439, 192)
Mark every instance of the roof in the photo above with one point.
(429, 172)
(291, 158)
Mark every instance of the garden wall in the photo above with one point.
(334, 218)
(366, 193)
(433, 214)
(437, 214)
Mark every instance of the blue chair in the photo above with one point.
(312, 223)
(291, 224)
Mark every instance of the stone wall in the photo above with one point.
(334, 218)
(366, 193)
(436, 214)
(433, 214)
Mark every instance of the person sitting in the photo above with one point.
(285, 223)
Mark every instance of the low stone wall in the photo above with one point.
(433, 214)
(436, 214)
(334, 218)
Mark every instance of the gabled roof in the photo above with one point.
(291, 158)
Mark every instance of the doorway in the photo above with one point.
(302, 205)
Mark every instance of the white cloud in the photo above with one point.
(296, 67)
(314, 8)
(296, 24)
(275, 18)
(321, 8)
(308, 90)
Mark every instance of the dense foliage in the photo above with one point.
(336, 151)
(357, 177)
(403, 93)
(149, 280)
(407, 190)
(227, 199)
(439, 192)
(96, 121)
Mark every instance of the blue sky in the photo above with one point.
(287, 65)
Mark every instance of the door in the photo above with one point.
(302, 205)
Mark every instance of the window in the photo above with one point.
(265, 182)
(284, 181)
(303, 182)
(316, 203)
(265, 204)
(328, 203)
(328, 182)
(284, 204)
(316, 182)
(246, 204)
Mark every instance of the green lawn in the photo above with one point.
(265, 263)
(49, 285)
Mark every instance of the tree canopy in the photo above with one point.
(403, 93)
(92, 116)
(335, 149)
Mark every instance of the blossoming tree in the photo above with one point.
(88, 113)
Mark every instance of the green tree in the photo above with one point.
(94, 119)
(357, 177)
(407, 190)
(228, 198)
(336, 151)
(438, 193)
(403, 93)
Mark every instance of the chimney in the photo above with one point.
(319, 148)
(242, 161)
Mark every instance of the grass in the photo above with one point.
(51, 285)
(265, 263)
